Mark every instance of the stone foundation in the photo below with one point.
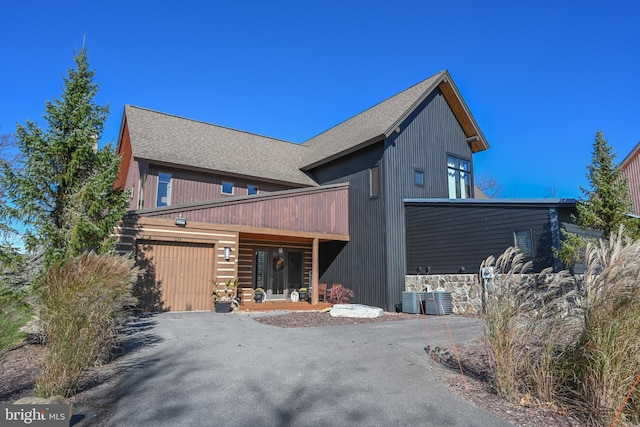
(465, 289)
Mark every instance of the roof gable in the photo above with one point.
(170, 139)
(379, 122)
(175, 140)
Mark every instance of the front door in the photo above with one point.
(278, 273)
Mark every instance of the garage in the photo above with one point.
(176, 276)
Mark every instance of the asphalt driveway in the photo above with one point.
(211, 369)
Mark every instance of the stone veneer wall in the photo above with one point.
(465, 289)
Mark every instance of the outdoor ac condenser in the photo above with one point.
(412, 301)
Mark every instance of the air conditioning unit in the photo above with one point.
(412, 301)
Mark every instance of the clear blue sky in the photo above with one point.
(539, 77)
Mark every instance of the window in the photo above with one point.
(418, 177)
(374, 181)
(252, 189)
(459, 178)
(522, 240)
(227, 187)
(164, 189)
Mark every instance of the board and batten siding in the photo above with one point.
(319, 210)
(631, 170)
(423, 142)
(450, 238)
(359, 263)
(192, 186)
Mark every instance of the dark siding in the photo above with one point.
(359, 263)
(423, 142)
(450, 237)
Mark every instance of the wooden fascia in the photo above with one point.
(473, 133)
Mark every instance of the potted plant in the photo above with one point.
(304, 295)
(258, 295)
(223, 297)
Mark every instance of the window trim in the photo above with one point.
(168, 183)
(458, 179)
(419, 172)
(222, 187)
(529, 232)
(374, 170)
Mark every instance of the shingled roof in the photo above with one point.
(379, 122)
(176, 140)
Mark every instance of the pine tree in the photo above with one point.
(63, 188)
(606, 204)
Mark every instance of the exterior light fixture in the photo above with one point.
(181, 222)
(280, 250)
(227, 253)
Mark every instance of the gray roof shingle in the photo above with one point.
(166, 138)
(368, 126)
(170, 139)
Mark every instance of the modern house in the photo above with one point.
(209, 203)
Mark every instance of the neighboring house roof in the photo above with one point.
(166, 138)
(381, 120)
(634, 152)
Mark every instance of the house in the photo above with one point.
(209, 203)
(630, 167)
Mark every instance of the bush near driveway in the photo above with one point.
(585, 363)
(83, 301)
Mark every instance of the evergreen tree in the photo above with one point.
(606, 204)
(63, 188)
(604, 207)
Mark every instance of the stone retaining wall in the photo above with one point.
(465, 289)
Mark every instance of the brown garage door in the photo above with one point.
(176, 277)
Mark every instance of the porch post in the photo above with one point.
(314, 271)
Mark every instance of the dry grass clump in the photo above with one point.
(83, 301)
(566, 341)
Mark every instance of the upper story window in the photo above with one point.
(164, 189)
(418, 177)
(374, 181)
(252, 189)
(459, 177)
(227, 187)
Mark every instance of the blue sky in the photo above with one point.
(539, 77)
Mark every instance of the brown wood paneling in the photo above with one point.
(631, 169)
(125, 152)
(177, 276)
(192, 186)
(317, 210)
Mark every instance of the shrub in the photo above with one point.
(339, 294)
(83, 301)
(603, 363)
(570, 341)
(14, 314)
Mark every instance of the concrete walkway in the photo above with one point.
(208, 369)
